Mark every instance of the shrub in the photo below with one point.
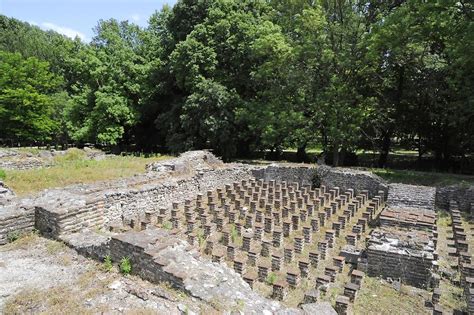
(125, 266)
(107, 265)
(3, 174)
(167, 225)
(271, 278)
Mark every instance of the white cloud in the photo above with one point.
(69, 32)
(136, 17)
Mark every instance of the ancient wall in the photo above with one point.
(299, 173)
(401, 254)
(411, 196)
(14, 221)
(157, 255)
(345, 178)
(153, 196)
(463, 195)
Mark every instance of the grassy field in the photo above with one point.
(423, 178)
(74, 168)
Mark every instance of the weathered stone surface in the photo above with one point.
(345, 178)
(411, 196)
(405, 255)
(24, 158)
(320, 308)
(463, 195)
(157, 255)
(6, 194)
(288, 172)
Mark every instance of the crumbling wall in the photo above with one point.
(302, 174)
(464, 195)
(14, 221)
(157, 255)
(401, 254)
(411, 196)
(345, 178)
(151, 197)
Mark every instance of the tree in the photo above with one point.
(27, 103)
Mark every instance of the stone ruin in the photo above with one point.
(230, 232)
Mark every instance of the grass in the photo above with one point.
(378, 297)
(423, 178)
(73, 168)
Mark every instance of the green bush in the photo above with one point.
(167, 226)
(3, 174)
(271, 278)
(125, 266)
(107, 265)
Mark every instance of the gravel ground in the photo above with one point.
(43, 276)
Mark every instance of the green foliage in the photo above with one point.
(26, 103)
(244, 76)
(3, 174)
(201, 238)
(107, 264)
(233, 233)
(125, 266)
(167, 225)
(271, 278)
(13, 236)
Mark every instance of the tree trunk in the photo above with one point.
(386, 143)
(301, 155)
(335, 157)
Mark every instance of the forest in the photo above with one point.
(246, 76)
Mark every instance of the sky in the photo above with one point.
(79, 17)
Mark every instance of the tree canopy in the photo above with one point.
(244, 76)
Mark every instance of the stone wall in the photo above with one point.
(153, 196)
(83, 207)
(345, 178)
(401, 254)
(464, 195)
(411, 196)
(299, 173)
(14, 221)
(157, 255)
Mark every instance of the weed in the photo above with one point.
(233, 233)
(13, 236)
(107, 264)
(201, 239)
(167, 225)
(271, 278)
(3, 174)
(125, 266)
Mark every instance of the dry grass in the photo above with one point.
(378, 297)
(74, 169)
(23, 242)
(58, 299)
